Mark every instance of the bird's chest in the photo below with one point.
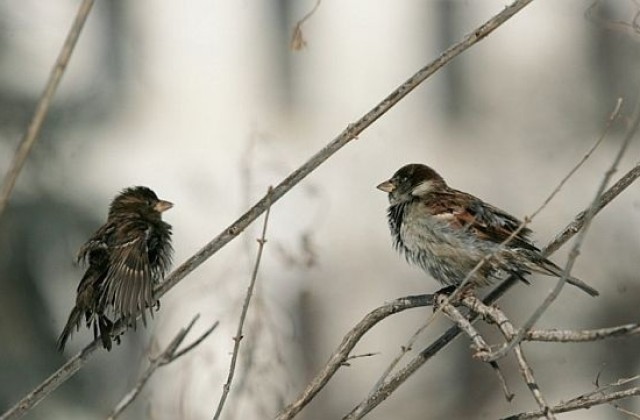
(445, 252)
(421, 232)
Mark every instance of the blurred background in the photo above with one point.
(206, 103)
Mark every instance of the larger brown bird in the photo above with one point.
(125, 258)
(447, 232)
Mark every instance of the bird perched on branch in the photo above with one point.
(125, 258)
(447, 232)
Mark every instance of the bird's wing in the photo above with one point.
(96, 246)
(464, 211)
(129, 280)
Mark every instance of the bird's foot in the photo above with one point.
(442, 296)
(106, 328)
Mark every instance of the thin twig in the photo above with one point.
(372, 401)
(612, 118)
(169, 355)
(42, 108)
(508, 395)
(620, 382)
(347, 135)
(527, 374)
(347, 363)
(557, 335)
(568, 232)
(575, 249)
(578, 404)
(506, 328)
(195, 343)
(341, 354)
(404, 349)
(477, 342)
(243, 315)
(582, 336)
(297, 38)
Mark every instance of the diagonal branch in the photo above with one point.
(582, 336)
(341, 354)
(42, 108)
(579, 404)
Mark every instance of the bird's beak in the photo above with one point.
(162, 206)
(387, 186)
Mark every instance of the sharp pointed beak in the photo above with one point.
(162, 206)
(387, 186)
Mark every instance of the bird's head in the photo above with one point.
(411, 181)
(141, 201)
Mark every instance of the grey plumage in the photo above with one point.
(447, 232)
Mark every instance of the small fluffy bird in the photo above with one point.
(447, 232)
(125, 258)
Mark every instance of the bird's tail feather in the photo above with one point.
(105, 327)
(75, 317)
(549, 268)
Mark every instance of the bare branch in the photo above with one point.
(569, 336)
(404, 349)
(243, 315)
(477, 342)
(551, 335)
(167, 356)
(341, 354)
(50, 384)
(358, 356)
(42, 108)
(579, 404)
(527, 374)
(614, 115)
(195, 344)
(601, 389)
(231, 232)
(506, 328)
(574, 227)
